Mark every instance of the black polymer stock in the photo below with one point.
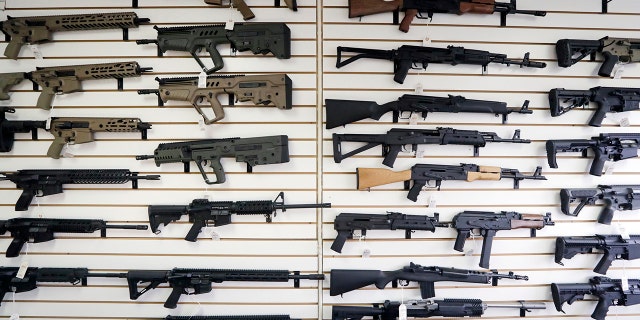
(408, 57)
(395, 139)
(615, 247)
(615, 197)
(389, 310)
(343, 112)
(203, 212)
(37, 230)
(259, 38)
(606, 147)
(343, 280)
(608, 99)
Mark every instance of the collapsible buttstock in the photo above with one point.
(371, 177)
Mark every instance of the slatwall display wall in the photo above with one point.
(300, 239)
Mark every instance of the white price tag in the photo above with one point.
(14, 316)
(609, 167)
(366, 253)
(66, 152)
(623, 231)
(229, 24)
(48, 123)
(202, 80)
(624, 122)
(432, 201)
(201, 125)
(624, 282)
(419, 88)
(22, 271)
(215, 236)
(413, 119)
(35, 49)
(426, 41)
(402, 312)
(420, 150)
(617, 74)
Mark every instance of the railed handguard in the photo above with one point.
(38, 29)
(274, 89)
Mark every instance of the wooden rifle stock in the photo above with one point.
(359, 8)
(478, 6)
(371, 177)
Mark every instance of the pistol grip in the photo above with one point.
(45, 99)
(13, 48)
(610, 61)
(172, 300)
(392, 155)
(218, 111)
(606, 215)
(56, 148)
(598, 163)
(215, 57)
(405, 24)
(460, 239)
(14, 247)
(602, 308)
(401, 69)
(217, 169)
(25, 200)
(604, 263)
(244, 9)
(415, 190)
(598, 116)
(196, 228)
(338, 243)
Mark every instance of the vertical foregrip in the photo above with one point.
(197, 226)
(14, 247)
(460, 239)
(604, 263)
(415, 189)
(427, 290)
(25, 199)
(610, 61)
(338, 243)
(172, 300)
(598, 162)
(602, 307)
(598, 116)
(606, 215)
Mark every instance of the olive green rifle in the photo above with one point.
(66, 130)
(260, 89)
(244, 9)
(32, 30)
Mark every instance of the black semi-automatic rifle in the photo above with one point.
(346, 223)
(32, 30)
(257, 37)
(40, 183)
(395, 139)
(608, 99)
(615, 247)
(413, 57)
(453, 308)
(606, 147)
(614, 51)
(487, 224)
(37, 230)
(343, 112)
(343, 280)
(422, 174)
(203, 213)
(253, 151)
(610, 292)
(615, 197)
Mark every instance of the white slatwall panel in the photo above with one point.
(292, 241)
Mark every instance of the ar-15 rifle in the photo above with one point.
(395, 139)
(610, 292)
(346, 223)
(199, 281)
(34, 230)
(246, 12)
(421, 174)
(272, 89)
(12, 281)
(33, 30)
(7, 81)
(614, 51)
(615, 197)
(454, 308)
(608, 99)
(342, 112)
(40, 183)
(257, 37)
(66, 130)
(254, 151)
(342, 280)
(606, 147)
(615, 247)
(488, 224)
(203, 212)
(68, 79)
(410, 57)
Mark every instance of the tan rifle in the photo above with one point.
(260, 89)
(8, 80)
(244, 9)
(32, 30)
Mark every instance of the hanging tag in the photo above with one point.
(35, 49)
(610, 166)
(66, 152)
(419, 88)
(470, 251)
(202, 79)
(432, 201)
(413, 119)
(229, 24)
(206, 195)
(624, 282)
(623, 231)
(201, 125)
(14, 316)
(617, 74)
(366, 253)
(47, 125)
(624, 122)
(426, 41)
(215, 236)
(402, 312)
(22, 271)
(420, 150)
